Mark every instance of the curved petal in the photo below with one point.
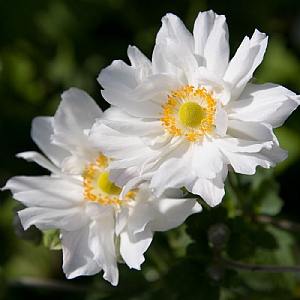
(133, 246)
(175, 171)
(206, 159)
(41, 131)
(121, 220)
(78, 259)
(211, 190)
(140, 215)
(236, 145)
(40, 160)
(118, 76)
(45, 191)
(211, 82)
(246, 163)
(253, 131)
(211, 41)
(221, 120)
(182, 59)
(173, 29)
(45, 163)
(137, 58)
(160, 65)
(69, 219)
(101, 243)
(112, 143)
(153, 85)
(276, 154)
(269, 103)
(247, 58)
(140, 62)
(170, 213)
(76, 112)
(145, 109)
(121, 121)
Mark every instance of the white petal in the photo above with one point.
(121, 220)
(118, 76)
(41, 131)
(173, 28)
(221, 120)
(269, 103)
(140, 62)
(211, 82)
(160, 65)
(40, 160)
(126, 178)
(175, 171)
(206, 159)
(246, 163)
(76, 112)
(211, 41)
(170, 213)
(43, 162)
(45, 191)
(247, 58)
(78, 259)
(276, 154)
(250, 130)
(101, 242)
(97, 211)
(136, 57)
(75, 165)
(182, 59)
(118, 80)
(146, 109)
(211, 190)
(112, 143)
(69, 219)
(132, 247)
(239, 145)
(140, 215)
(119, 120)
(153, 85)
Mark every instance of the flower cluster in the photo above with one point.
(176, 123)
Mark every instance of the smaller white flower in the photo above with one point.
(97, 228)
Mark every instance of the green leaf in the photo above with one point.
(51, 239)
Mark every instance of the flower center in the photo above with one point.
(97, 186)
(189, 112)
(107, 186)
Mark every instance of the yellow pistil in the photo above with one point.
(106, 185)
(97, 186)
(189, 112)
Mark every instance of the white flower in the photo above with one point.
(190, 114)
(97, 229)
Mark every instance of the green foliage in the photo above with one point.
(51, 239)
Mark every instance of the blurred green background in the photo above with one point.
(48, 46)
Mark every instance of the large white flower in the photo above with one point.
(190, 114)
(97, 229)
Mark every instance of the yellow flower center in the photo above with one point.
(97, 186)
(106, 186)
(189, 112)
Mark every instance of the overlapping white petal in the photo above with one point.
(93, 233)
(240, 137)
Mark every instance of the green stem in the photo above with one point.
(267, 268)
(284, 224)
